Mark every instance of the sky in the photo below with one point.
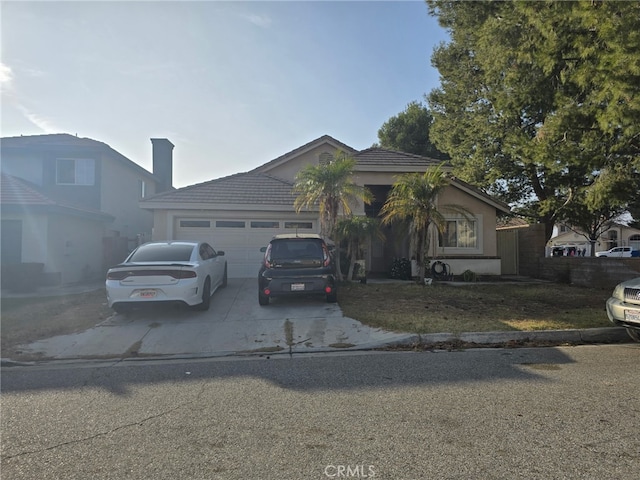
(232, 85)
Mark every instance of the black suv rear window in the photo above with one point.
(296, 249)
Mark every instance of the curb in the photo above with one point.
(541, 338)
(583, 336)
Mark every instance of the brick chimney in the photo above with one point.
(163, 163)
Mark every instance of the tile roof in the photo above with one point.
(380, 157)
(241, 188)
(313, 143)
(65, 139)
(17, 193)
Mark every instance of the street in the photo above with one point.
(568, 412)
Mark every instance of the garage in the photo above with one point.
(240, 238)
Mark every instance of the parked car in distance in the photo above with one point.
(297, 264)
(619, 252)
(623, 307)
(179, 272)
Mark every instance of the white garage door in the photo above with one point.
(240, 240)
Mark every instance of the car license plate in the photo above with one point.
(145, 293)
(632, 316)
(297, 287)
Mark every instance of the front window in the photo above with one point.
(460, 233)
(75, 171)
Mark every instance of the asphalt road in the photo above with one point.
(570, 412)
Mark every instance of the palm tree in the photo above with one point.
(412, 200)
(330, 187)
(356, 230)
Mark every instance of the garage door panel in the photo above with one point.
(241, 246)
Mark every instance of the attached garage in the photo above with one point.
(240, 238)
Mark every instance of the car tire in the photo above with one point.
(634, 334)
(206, 296)
(263, 299)
(332, 297)
(224, 278)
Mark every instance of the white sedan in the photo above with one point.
(184, 272)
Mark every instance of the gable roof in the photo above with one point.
(66, 140)
(257, 187)
(305, 148)
(59, 139)
(241, 189)
(18, 195)
(381, 159)
(476, 192)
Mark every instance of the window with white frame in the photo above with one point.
(460, 233)
(75, 171)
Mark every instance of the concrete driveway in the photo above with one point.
(235, 324)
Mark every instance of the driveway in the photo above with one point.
(234, 324)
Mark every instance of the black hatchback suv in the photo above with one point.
(297, 264)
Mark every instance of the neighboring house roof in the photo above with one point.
(511, 222)
(249, 188)
(18, 195)
(62, 140)
(305, 148)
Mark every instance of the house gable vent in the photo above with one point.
(325, 158)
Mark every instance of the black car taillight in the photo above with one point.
(184, 274)
(117, 275)
(177, 274)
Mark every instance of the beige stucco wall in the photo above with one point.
(289, 168)
(69, 247)
(485, 214)
(120, 194)
(75, 249)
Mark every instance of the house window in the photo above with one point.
(75, 171)
(195, 223)
(230, 224)
(299, 225)
(263, 224)
(459, 234)
(143, 188)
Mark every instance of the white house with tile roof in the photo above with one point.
(242, 212)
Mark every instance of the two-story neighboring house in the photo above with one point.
(72, 204)
(617, 235)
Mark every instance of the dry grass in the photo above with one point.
(25, 320)
(498, 306)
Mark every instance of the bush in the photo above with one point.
(400, 269)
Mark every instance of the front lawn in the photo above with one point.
(498, 306)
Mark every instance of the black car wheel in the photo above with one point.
(224, 278)
(206, 296)
(332, 297)
(263, 299)
(633, 333)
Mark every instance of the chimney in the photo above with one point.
(163, 163)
